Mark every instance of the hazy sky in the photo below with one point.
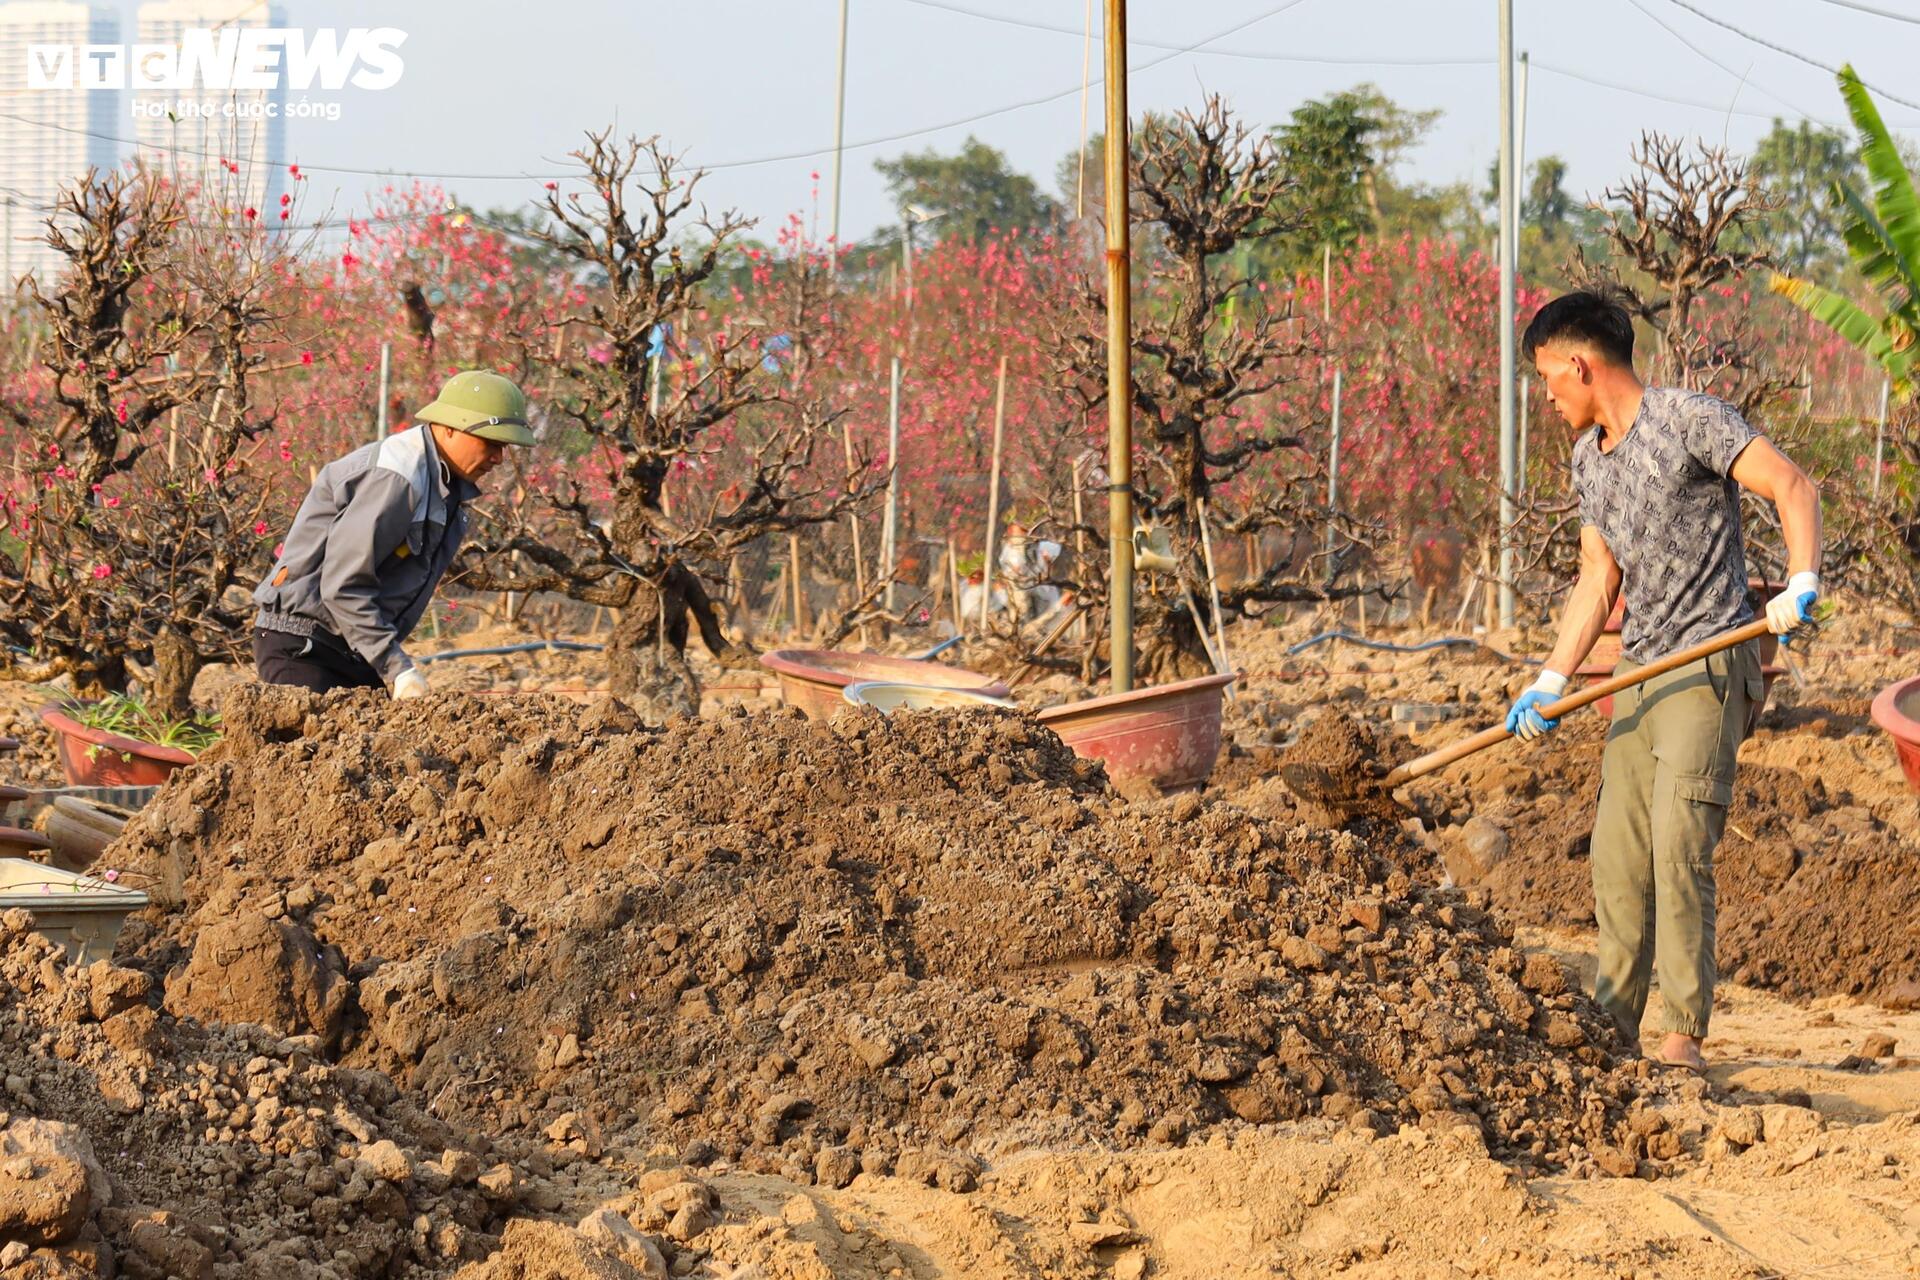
(492, 87)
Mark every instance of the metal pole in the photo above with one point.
(386, 371)
(993, 497)
(839, 136)
(1519, 154)
(891, 530)
(1880, 436)
(1506, 225)
(1333, 464)
(1119, 353)
(8, 251)
(907, 249)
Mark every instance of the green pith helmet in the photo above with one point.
(481, 404)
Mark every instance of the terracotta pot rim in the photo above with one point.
(1133, 697)
(60, 722)
(1887, 714)
(814, 665)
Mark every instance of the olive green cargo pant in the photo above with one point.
(1666, 782)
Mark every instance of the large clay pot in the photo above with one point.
(814, 680)
(1168, 735)
(95, 758)
(1897, 710)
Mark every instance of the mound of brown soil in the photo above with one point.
(1817, 895)
(825, 948)
(173, 1150)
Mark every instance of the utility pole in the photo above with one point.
(1519, 156)
(1119, 354)
(839, 137)
(1507, 225)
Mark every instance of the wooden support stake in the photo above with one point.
(993, 494)
(799, 586)
(953, 580)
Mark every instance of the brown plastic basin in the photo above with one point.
(814, 679)
(1897, 710)
(1168, 735)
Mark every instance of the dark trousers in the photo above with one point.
(320, 662)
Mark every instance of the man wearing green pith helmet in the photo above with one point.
(373, 538)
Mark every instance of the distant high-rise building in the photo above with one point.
(199, 127)
(49, 136)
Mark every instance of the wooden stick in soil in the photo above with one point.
(799, 586)
(853, 523)
(1213, 585)
(1073, 615)
(993, 495)
(953, 582)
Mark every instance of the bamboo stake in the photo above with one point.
(853, 524)
(890, 530)
(953, 582)
(799, 585)
(1119, 353)
(993, 493)
(1213, 585)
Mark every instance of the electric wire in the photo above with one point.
(1764, 43)
(1878, 13)
(1673, 31)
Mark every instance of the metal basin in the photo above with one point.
(814, 679)
(890, 696)
(1897, 710)
(81, 913)
(1168, 735)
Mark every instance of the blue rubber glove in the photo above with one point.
(1524, 721)
(1793, 607)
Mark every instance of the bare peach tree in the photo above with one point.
(734, 417)
(137, 520)
(1210, 350)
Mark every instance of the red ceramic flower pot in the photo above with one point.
(1168, 735)
(95, 758)
(1897, 710)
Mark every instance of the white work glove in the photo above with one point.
(1793, 607)
(411, 683)
(1524, 721)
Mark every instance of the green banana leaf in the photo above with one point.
(1850, 322)
(1893, 192)
(1874, 252)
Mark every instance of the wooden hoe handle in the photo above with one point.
(1574, 701)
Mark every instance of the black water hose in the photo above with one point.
(530, 647)
(1442, 642)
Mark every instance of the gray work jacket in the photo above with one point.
(370, 542)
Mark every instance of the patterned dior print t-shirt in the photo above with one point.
(1670, 513)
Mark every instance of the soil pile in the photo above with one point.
(879, 944)
(1817, 894)
(136, 1144)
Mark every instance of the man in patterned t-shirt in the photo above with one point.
(1658, 476)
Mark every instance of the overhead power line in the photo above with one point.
(1764, 43)
(1878, 13)
(1250, 54)
(1740, 76)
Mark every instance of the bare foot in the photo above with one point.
(1682, 1051)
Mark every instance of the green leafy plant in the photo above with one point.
(1883, 238)
(128, 717)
